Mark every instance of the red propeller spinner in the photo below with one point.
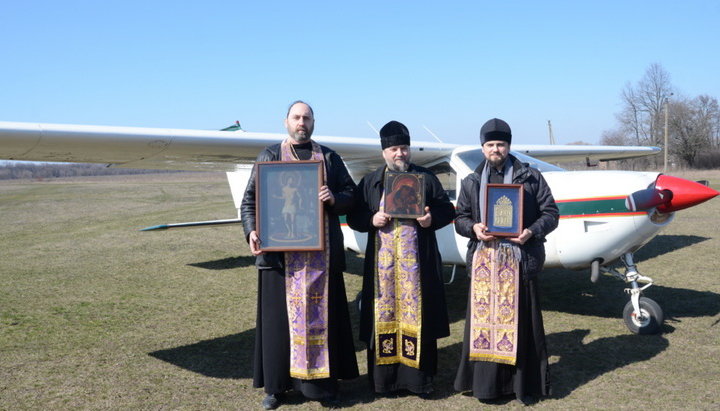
(670, 194)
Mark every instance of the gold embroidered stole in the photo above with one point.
(398, 297)
(306, 293)
(494, 292)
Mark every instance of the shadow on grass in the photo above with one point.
(231, 356)
(578, 364)
(359, 392)
(663, 244)
(581, 363)
(225, 357)
(448, 361)
(226, 263)
(572, 292)
(354, 263)
(456, 294)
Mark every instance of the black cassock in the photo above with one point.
(272, 338)
(392, 377)
(529, 375)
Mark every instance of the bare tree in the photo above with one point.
(694, 126)
(708, 112)
(630, 116)
(613, 138)
(693, 129)
(653, 90)
(642, 116)
(619, 137)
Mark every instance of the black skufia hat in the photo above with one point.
(495, 129)
(394, 133)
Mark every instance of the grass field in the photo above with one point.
(95, 314)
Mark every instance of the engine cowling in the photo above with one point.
(669, 194)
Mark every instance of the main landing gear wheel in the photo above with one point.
(642, 315)
(648, 321)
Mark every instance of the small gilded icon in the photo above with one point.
(503, 212)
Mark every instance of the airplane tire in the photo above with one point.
(650, 320)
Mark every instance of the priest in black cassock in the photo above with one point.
(303, 333)
(403, 310)
(504, 352)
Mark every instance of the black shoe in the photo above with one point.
(331, 402)
(526, 400)
(270, 402)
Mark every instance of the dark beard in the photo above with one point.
(497, 164)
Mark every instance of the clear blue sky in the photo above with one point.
(447, 65)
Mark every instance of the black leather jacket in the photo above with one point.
(342, 187)
(540, 213)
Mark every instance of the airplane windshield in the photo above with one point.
(473, 158)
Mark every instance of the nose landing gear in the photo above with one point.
(641, 314)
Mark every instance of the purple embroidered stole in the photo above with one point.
(494, 291)
(306, 293)
(398, 298)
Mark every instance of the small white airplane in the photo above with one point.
(605, 216)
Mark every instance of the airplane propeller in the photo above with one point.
(669, 194)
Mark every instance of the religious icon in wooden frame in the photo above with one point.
(504, 210)
(404, 194)
(289, 216)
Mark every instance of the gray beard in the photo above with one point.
(399, 169)
(300, 138)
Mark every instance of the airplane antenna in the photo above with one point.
(432, 134)
(550, 132)
(372, 127)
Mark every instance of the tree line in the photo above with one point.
(654, 110)
(16, 170)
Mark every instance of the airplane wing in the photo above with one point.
(209, 150)
(590, 154)
(176, 149)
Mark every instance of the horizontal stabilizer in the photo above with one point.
(193, 224)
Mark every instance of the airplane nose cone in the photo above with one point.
(685, 193)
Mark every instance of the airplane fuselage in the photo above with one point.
(594, 221)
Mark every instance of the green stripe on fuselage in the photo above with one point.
(590, 207)
(578, 207)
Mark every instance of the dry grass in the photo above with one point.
(97, 315)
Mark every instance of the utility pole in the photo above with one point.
(552, 137)
(665, 149)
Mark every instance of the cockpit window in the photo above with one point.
(473, 158)
(447, 177)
